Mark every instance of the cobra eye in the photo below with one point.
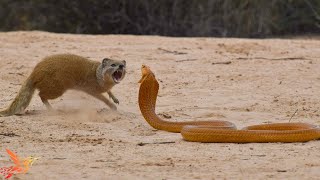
(113, 65)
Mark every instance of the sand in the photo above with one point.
(243, 81)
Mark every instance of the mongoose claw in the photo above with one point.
(115, 100)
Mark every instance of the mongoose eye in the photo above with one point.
(113, 65)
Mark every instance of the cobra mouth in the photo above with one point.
(117, 76)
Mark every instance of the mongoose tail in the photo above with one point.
(22, 100)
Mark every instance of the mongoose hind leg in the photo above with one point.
(52, 93)
(46, 103)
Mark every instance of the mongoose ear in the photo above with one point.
(124, 62)
(105, 62)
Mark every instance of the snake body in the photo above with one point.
(218, 131)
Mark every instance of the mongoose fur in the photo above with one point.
(58, 73)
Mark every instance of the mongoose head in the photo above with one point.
(113, 70)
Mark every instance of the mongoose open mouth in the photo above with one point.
(117, 76)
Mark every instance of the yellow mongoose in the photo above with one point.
(58, 73)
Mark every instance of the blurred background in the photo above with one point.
(190, 18)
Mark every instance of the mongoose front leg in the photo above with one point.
(105, 100)
(115, 100)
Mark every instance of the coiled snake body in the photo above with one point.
(218, 131)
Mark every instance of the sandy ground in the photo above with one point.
(259, 81)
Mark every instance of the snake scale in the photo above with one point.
(218, 131)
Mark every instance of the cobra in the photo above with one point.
(218, 131)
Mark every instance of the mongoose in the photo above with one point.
(57, 73)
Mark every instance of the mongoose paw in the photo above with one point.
(115, 100)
